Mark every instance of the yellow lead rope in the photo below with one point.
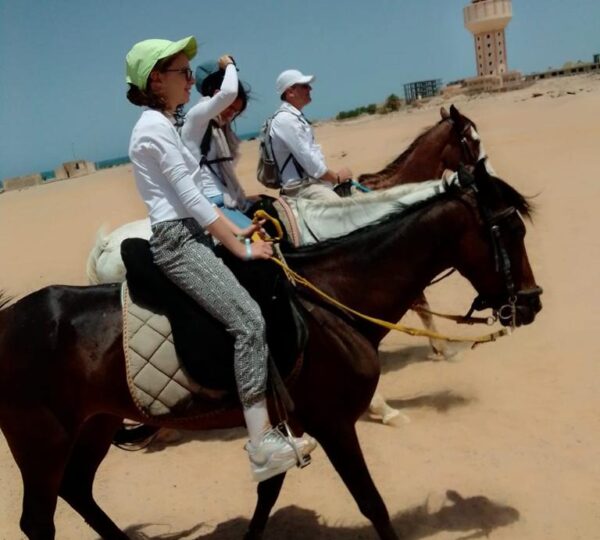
(486, 338)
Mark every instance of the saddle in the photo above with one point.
(203, 347)
(308, 221)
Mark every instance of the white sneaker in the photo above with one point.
(277, 452)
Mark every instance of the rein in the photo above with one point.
(458, 319)
(298, 279)
(506, 312)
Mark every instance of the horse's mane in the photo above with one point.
(389, 168)
(400, 221)
(513, 198)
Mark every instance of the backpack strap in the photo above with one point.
(299, 169)
(205, 148)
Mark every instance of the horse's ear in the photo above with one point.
(444, 113)
(454, 114)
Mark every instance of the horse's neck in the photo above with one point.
(383, 277)
(421, 162)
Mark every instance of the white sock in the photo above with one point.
(257, 421)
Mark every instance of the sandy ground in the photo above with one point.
(514, 423)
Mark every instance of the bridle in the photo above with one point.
(467, 153)
(495, 222)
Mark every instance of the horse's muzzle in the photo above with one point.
(527, 305)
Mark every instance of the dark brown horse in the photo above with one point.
(63, 392)
(444, 146)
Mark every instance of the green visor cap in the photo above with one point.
(143, 56)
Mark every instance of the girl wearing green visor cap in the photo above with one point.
(160, 79)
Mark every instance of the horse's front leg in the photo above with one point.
(343, 449)
(380, 410)
(267, 492)
(440, 348)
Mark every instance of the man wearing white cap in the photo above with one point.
(304, 172)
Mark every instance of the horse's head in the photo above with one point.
(492, 252)
(464, 143)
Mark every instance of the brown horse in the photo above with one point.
(450, 142)
(63, 392)
(454, 140)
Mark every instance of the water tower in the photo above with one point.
(486, 20)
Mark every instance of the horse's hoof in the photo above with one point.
(444, 354)
(390, 416)
(394, 416)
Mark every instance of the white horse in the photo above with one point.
(317, 220)
(104, 264)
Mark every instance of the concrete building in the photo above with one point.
(421, 89)
(73, 169)
(570, 68)
(21, 182)
(486, 20)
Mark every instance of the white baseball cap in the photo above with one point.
(290, 77)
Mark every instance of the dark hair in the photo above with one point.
(147, 98)
(214, 81)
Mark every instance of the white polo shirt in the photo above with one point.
(166, 172)
(292, 134)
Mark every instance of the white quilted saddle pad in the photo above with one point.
(321, 220)
(156, 380)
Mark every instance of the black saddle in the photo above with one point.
(203, 346)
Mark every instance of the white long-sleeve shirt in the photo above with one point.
(196, 124)
(292, 134)
(165, 172)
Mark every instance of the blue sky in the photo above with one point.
(62, 87)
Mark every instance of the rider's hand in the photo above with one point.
(345, 174)
(251, 229)
(225, 60)
(261, 250)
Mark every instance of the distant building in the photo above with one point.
(20, 182)
(511, 80)
(70, 169)
(486, 20)
(73, 169)
(575, 68)
(422, 89)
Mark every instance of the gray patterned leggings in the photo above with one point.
(184, 253)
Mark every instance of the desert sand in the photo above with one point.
(512, 427)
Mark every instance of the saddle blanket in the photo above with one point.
(321, 220)
(156, 379)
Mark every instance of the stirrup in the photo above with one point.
(286, 433)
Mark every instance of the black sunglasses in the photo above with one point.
(187, 72)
